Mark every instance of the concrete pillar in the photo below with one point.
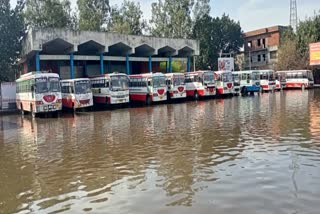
(38, 61)
(71, 66)
(170, 64)
(101, 64)
(188, 64)
(150, 64)
(127, 65)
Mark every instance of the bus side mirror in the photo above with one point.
(149, 83)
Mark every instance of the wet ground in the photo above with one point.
(238, 155)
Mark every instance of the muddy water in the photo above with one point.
(242, 155)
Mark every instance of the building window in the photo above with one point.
(273, 55)
(259, 58)
(264, 43)
(250, 44)
(259, 42)
(264, 57)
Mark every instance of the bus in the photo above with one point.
(249, 81)
(298, 79)
(200, 84)
(224, 82)
(76, 93)
(267, 80)
(148, 88)
(175, 86)
(236, 83)
(38, 93)
(280, 79)
(110, 89)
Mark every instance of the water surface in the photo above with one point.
(241, 155)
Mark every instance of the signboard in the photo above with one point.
(8, 94)
(226, 64)
(314, 53)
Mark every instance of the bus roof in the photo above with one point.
(265, 71)
(221, 72)
(32, 75)
(292, 71)
(245, 72)
(174, 74)
(108, 75)
(75, 80)
(146, 75)
(197, 72)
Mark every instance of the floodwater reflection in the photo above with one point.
(242, 155)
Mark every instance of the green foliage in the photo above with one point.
(127, 19)
(48, 14)
(94, 14)
(201, 8)
(171, 18)
(294, 49)
(216, 35)
(177, 66)
(11, 32)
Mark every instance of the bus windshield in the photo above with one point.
(255, 76)
(227, 77)
(119, 83)
(208, 78)
(178, 80)
(54, 84)
(41, 85)
(310, 76)
(267, 76)
(82, 87)
(159, 81)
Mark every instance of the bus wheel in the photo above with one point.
(148, 100)
(303, 87)
(196, 95)
(244, 91)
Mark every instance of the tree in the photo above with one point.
(294, 48)
(94, 15)
(127, 19)
(48, 14)
(11, 32)
(171, 18)
(216, 35)
(201, 8)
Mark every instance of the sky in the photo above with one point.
(252, 14)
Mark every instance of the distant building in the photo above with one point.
(261, 47)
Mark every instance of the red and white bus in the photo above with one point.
(110, 89)
(200, 84)
(298, 78)
(38, 93)
(148, 88)
(176, 86)
(267, 80)
(224, 82)
(76, 93)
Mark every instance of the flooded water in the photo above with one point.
(242, 155)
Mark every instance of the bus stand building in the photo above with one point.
(75, 54)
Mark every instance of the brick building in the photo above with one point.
(261, 47)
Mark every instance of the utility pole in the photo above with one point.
(293, 15)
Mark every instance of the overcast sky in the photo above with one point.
(252, 14)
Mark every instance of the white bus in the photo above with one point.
(38, 93)
(176, 86)
(148, 88)
(267, 80)
(224, 82)
(76, 93)
(249, 81)
(110, 89)
(200, 84)
(298, 78)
